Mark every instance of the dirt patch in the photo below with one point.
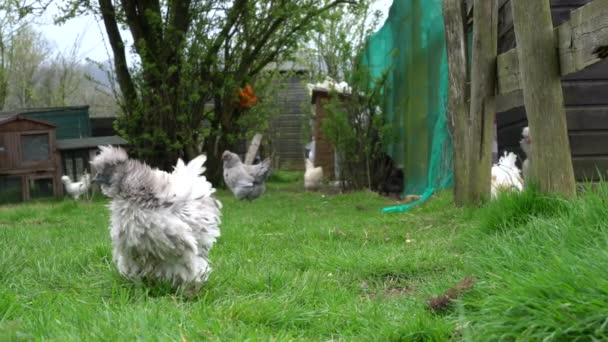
(442, 302)
(389, 287)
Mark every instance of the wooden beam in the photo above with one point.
(543, 97)
(507, 69)
(253, 149)
(483, 79)
(581, 42)
(506, 102)
(454, 14)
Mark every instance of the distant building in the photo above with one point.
(38, 146)
(29, 160)
(293, 101)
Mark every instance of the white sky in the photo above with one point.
(94, 44)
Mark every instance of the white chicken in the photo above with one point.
(77, 189)
(162, 225)
(506, 175)
(526, 144)
(313, 175)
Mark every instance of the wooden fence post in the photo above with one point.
(454, 21)
(483, 78)
(253, 148)
(551, 160)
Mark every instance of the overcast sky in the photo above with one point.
(94, 44)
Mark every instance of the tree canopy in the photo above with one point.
(192, 54)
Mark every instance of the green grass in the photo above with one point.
(307, 266)
(543, 279)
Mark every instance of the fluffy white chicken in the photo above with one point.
(313, 175)
(245, 181)
(506, 175)
(77, 189)
(162, 225)
(526, 144)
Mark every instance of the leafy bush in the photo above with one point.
(354, 124)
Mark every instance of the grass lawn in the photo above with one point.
(304, 266)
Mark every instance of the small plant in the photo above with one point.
(356, 127)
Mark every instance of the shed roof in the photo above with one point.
(9, 118)
(287, 66)
(92, 142)
(42, 110)
(71, 122)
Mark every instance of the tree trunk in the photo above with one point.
(543, 97)
(454, 21)
(215, 145)
(483, 76)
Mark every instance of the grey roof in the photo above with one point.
(286, 66)
(92, 142)
(41, 110)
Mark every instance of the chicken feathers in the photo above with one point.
(245, 181)
(162, 224)
(506, 175)
(313, 175)
(77, 189)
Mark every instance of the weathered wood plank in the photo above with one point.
(585, 93)
(582, 42)
(543, 97)
(508, 72)
(589, 143)
(508, 101)
(482, 112)
(454, 22)
(253, 148)
(598, 71)
(588, 118)
(590, 168)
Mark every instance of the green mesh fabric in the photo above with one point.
(410, 46)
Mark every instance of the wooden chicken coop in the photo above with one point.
(29, 161)
(584, 96)
(324, 150)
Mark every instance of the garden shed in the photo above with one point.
(71, 122)
(63, 131)
(76, 153)
(29, 161)
(584, 96)
(323, 149)
(286, 127)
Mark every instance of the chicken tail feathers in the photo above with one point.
(193, 169)
(508, 159)
(187, 182)
(265, 169)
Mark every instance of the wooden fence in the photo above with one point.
(581, 42)
(529, 75)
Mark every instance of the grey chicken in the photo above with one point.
(162, 224)
(245, 181)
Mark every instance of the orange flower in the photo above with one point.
(247, 97)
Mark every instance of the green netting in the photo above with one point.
(411, 47)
